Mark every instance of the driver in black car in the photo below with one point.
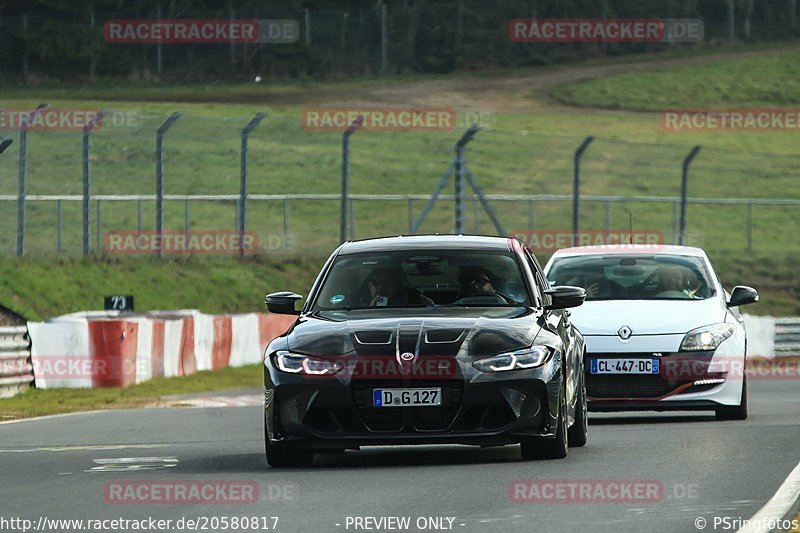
(477, 280)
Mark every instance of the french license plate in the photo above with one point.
(407, 397)
(624, 366)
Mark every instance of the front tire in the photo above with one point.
(556, 448)
(735, 412)
(578, 434)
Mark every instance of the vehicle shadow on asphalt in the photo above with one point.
(418, 456)
(366, 458)
(650, 418)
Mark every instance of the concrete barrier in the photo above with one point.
(111, 349)
(760, 335)
(16, 368)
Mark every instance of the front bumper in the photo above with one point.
(336, 412)
(686, 381)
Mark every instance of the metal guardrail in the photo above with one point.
(787, 336)
(16, 369)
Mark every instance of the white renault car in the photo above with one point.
(661, 332)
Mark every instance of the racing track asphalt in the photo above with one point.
(707, 469)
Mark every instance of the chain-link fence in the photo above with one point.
(292, 199)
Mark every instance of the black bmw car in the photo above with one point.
(426, 340)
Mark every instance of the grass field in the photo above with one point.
(47, 287)
(42, 402)
(766, 81)
(527, 151)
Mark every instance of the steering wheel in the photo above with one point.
(480, 297)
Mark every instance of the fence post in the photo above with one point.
(160, 178)
(58, 225)
(245, 153)
(684, 192)
(410, 215)
(99, 225)
(459, 175)
(357, 123)
(749, 226)
(476, 223)
(429, 205)
(531, 214)
(576, 189)
(352, 217)
(285, 221)
(25, 123)
(86, 146)
(675, 216)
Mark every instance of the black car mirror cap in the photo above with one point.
(282, 303)
(742, 295)
(565, 296)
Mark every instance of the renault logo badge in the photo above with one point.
(625, 333)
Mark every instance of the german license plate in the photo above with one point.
(624, 366)
(407, 397)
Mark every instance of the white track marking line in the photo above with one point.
(777, 507)
(49, 417)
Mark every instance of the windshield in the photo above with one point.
(656, 277)
(414, 279)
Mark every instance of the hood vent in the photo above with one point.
(443, 336)
(377, 337)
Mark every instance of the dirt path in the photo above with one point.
(506, 92)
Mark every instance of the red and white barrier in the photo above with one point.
(108, 349)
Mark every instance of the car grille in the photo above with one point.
(408, 419)
(648, 385)
(630, 386)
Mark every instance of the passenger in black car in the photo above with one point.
(388, 287)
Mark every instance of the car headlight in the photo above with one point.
(295, 363)
(707, 337)
(516, 360)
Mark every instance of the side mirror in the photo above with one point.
(565, 296)
(742, 295)
(282, 303)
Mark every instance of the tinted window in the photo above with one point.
(634, 277)
(414, 279)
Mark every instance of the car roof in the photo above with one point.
(426, 242)
(631, 249)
